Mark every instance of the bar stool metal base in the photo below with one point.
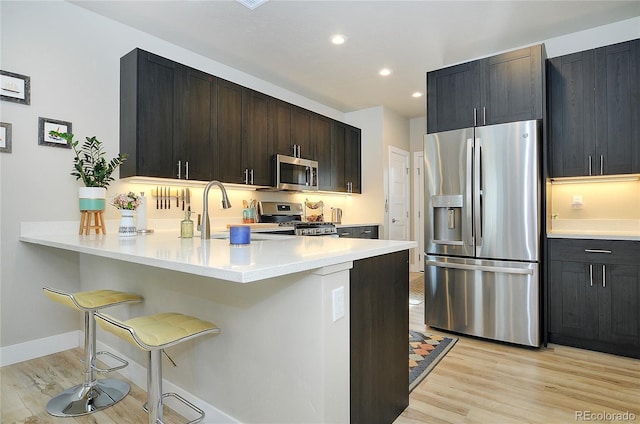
(83, 399)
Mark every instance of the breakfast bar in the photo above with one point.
(301, 318)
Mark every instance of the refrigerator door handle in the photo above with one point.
(477, 186)
(498, 269)
(469, 194)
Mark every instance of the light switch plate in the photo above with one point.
(337, 300)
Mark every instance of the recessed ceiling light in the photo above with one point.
(385, 72)
(252, 4)
(338, 39)
(416, 94)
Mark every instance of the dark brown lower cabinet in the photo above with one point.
(379, 303)
(594, 295)
(365, 232)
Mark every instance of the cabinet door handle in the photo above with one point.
(179, 165)
(186, 170)
(251, 173)
(246, 176)
(590, 173)
(604, 276)
(484, 115)
(590, 275)
(475, 119)
(597, 251)
(601, 165)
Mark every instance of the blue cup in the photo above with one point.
(240, 234)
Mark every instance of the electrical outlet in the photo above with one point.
(577, 202)
(337, 297)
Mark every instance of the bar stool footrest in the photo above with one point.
(184, 402)
(116, 368)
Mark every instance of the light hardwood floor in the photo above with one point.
(487, 382)
(477, 382)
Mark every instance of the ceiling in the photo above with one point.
(287, 42)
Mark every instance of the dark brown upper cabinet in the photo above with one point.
(229, 133)
(594, 100)
(165, 118)
(321, 139)
(193, 146)
(179, 122)
(504, 88)
(291, 130)
(257, 166)
(243, 149)
(345, 165)
(148, 103)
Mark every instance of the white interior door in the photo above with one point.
(399, 201)
(418, 211)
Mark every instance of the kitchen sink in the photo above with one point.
(254, 236)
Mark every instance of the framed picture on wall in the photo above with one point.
(15, 87)
(5, 137)
(45, 125)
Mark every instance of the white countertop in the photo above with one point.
(599, 229)
(595, 235)
(268, 255)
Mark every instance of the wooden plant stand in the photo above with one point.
(98, 222)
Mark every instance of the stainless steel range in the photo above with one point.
(288, 214)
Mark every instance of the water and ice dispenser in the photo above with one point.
(447, 219)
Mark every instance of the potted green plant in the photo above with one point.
(90, 166)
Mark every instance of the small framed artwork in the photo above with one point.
(15, 87)
(5, 137)
(45, 125)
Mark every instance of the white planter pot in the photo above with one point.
(92, 198)
(127, 224)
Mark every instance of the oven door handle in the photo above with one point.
(484, 268)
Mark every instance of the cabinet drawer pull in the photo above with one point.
(597, 251)
(590, 275)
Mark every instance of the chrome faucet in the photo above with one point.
(205, 226)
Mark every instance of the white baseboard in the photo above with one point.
(20, 352)
(135, 372)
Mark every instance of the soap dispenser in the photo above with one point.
(186, 226)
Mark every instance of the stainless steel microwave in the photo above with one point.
(296, 173)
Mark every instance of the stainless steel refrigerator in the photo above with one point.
(482, 231)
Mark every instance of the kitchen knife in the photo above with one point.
(168, 197)
(157, 197)
(182, 195)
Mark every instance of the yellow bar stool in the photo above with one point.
(94, 394)
(154, 333)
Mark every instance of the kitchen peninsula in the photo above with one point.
(301, 318)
